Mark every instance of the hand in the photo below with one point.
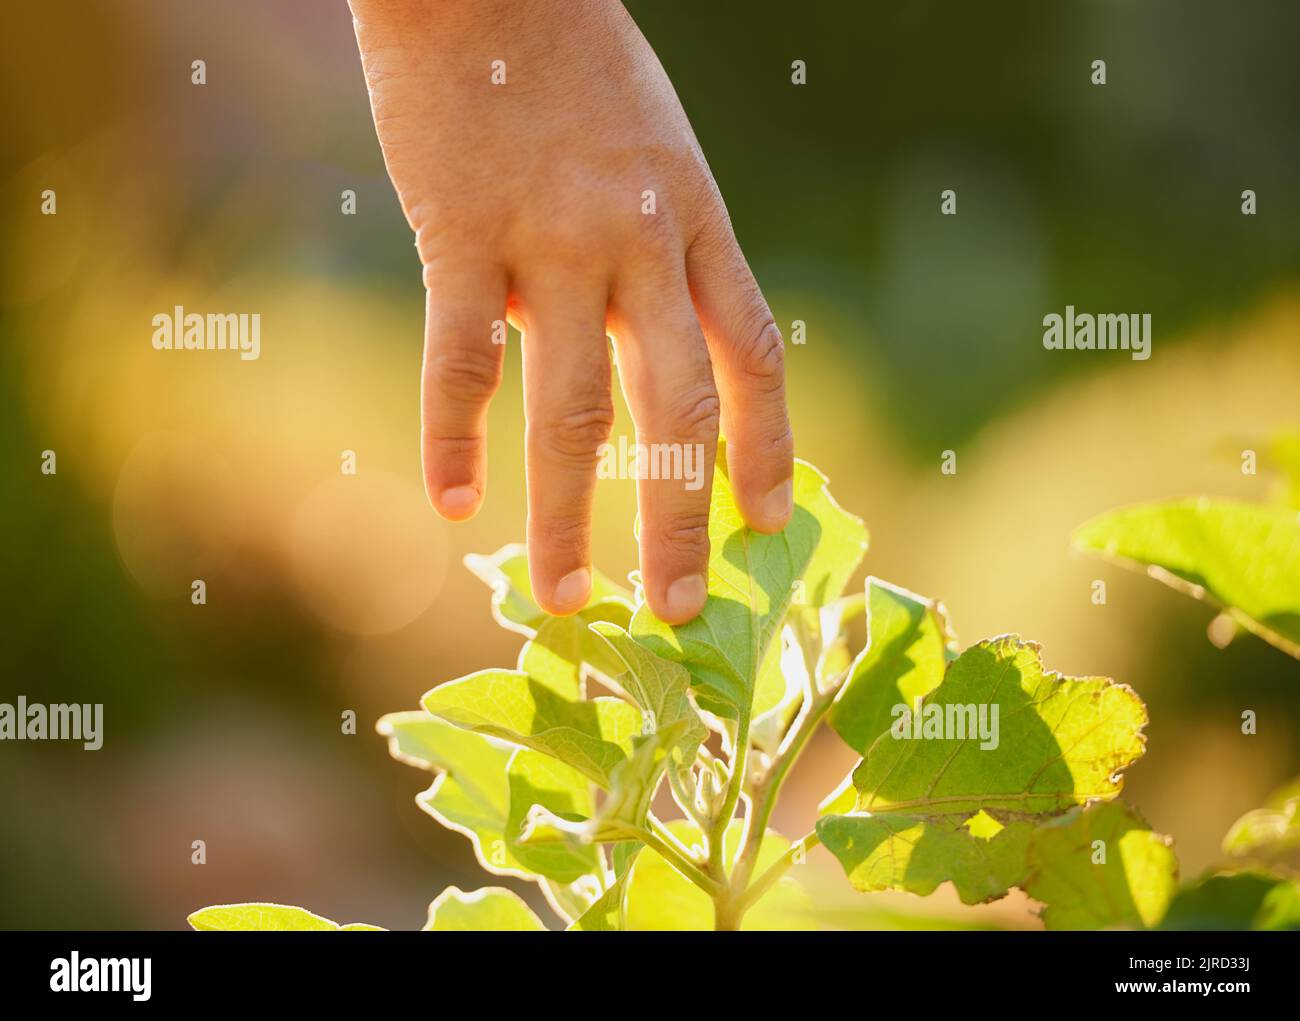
(573, 199)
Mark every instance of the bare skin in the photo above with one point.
(527, 199)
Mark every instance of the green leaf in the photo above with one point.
(1132, 887)
(952, 805)
(660, 687)
(1242, 557)
(778, 695)
(908, 648)
(267, 918)
(591, 736)
(565, 638)
(493, 908)
(622, 814)
(1235, 901)
(472, 793)
(1284, 455)
(608, 913)
(658, 897)
(752, 580)
(513, 606)
(572, 900)
(1265, 832)
(914, 853)
(537, 780)
(1058, 741)
(485, 790)
(1269, 835)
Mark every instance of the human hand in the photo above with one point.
(572, 199)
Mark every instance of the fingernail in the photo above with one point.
(572, 590)
(457, 500)
(778, 505)
(685, 597)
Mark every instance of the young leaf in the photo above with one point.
(1101, 867)
(1242, 557)
(491, 908)
(622, 814)
(953, 804)
(591, 736)
(659, 686)
(908, 648)
(751, 584)
(1270, 834)
(267, 918)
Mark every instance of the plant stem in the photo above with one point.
(739, 756)
(775, 871)
(765, 793)
(679, 861)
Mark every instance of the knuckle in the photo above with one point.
(697, 415)
(575, 435)
(465, 374)
(685, 537)
(575, 241)
(761, 351)
(658, 231)
(568, 532)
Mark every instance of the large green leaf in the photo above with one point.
(659, 897)
(1242, 557)
(593, 736)
(908, 648)
(1060, 741)
(951, 806)
(1101, 867)
(915, 853)
(752, 581)
(493, 908)
(268, 918)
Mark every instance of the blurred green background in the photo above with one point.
(328, 593)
